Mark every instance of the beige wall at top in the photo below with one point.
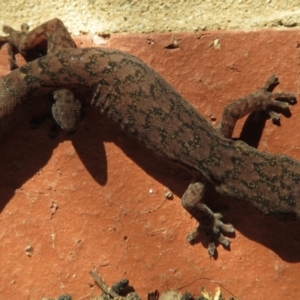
(110, 16)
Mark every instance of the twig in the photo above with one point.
(104, 287)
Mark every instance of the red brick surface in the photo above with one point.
(112, 215)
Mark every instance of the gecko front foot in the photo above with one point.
(211, 233)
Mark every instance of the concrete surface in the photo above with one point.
(106, 16)
(97, 200)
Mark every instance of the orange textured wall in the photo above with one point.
(96, 200)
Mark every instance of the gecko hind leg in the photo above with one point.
(210, 223)
(263, 99)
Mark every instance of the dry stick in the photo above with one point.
(104, 287)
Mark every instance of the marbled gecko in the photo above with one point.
(127, 91)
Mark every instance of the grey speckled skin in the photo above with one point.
(126, 90)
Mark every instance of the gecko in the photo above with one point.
(144, 105)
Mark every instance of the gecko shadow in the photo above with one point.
(25, 152)
(272, 233)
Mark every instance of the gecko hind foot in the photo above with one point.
(212, 233)
(280, 104)
(279, 101)
(264, 99)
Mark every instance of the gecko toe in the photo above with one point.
(275, 117)
(193, 235)
(219, 225)
(223, 240)
(271, 83)
(211, 248)
(289, 98)
(227, 228)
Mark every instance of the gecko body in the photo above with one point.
(124, 89)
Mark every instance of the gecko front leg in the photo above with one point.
(12, 41)
(66, 109)
(210, 223)
(53, 32)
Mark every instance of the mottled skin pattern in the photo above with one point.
(127, 91)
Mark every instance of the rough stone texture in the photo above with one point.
(105, 16)
(96, 200)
